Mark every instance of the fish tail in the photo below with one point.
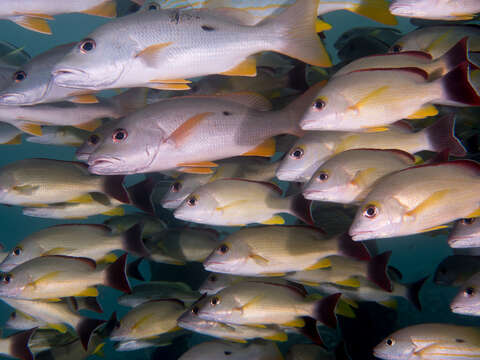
(457, 55)
(350, 248)
(296, 78)
(133, 243)
(376, 10)
(324, 310)
(441, 136)
(116, 275)
(460, 86)
(295, 30)
(310, 330)
(85, 328)
(131, 100)
(140, 195)
(301, 208)
(413, 292)
(88, 303)
(113, 187)
(19, 345)
(133, 269)
(377, 271)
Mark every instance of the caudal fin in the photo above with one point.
(350, 248)
(458, 88)
(413, 292)
(301, 208)
(457, 55)
(133, 269)
(19, 345)
(131, 100)
(85, 328)
(377, 271)
(295, 32)
(376, 10)
(140, 195)
(324, 310)
(113, 186)
(441, 136)
(116, 275)
(88, 303)
(310, 330)
(133, 242)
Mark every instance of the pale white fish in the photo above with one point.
(32, 15)
(437, 40)
(436, 9)
(224, 350)
(93, 141)
(313, 149)
(217, 281)
(163, 48)
(60, 135)
(465, 234)
(418, 199)
(467, 300)
(20, 321)
(9, 134)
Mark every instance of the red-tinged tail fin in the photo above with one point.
(133, 269)
(350, 248)
(457, 55)
(113, 186)
(441, 136)
(301, 208)
(324, 310)
(85, 329)
(413, 292)
(19, 345)
(310, 330)
(458, 88)
(140, 195)
(116, 275)
(377, 271)
(110, 325)
(133, 242)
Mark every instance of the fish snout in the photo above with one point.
(12, 99)
(64, 76)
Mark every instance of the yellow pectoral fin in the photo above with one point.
(231, 205)
(118, 211)
(82, 199)
(321, 264)
(351, 282)
(252, 302)
(17, 140)
(195, 170)
(350, 302)
(59, 327)
(44, 279)
(321, 26)
(248, 67)
(33, 23)
(108, 259)
(275, 220)
(260, 260)
(265, 149)
(344, 309)
(185, 130)
(91, 291)
(141, 321)
(427, 110)
(372, 98)
(84, 99)
(280, 336)
(151, 54)
(361, 177)
(432, 200)
(32, 129)
(299, 322)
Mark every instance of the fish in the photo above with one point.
(32, 83)
(466, 301)
(251, 168)
(350, 175)
(56, 276)
(386, 35)
(93, 241)
(231, 202)
(74, 350)
(150, 224)
(437, 40)
(316, 147)
(465, 234)
(106, 59)
(178, 246)
(16, 345)
(46, 339)
(418, 199)
(92, 142)
(158, 290)
(345, 271)
(356, 101)
(21, 321)
(436, 9)
(231, 332)
(59, 135)
(267, 303)
(56, 314)
(48, 181)
(430, 341)
(225, 350)
(165, 339)
(277, 250)
(165, 135)
(88, 117)
(454, 270)
(34, 16)
(218, 281)
(148, 320)
(9, 134)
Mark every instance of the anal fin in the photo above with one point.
(427, 110)
(32, 23)
(248, 67)
(265, 149)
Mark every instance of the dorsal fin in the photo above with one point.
(85, 260)
(273, 187)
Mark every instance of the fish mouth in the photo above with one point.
(82, 156)
(104, 165)
(12, 99)
(461, 242)
(312, 194)
(308, 125)
(361, 235)
(211, 265)
(291, 176)
(68, 77)
(171, 204)
(464, 310)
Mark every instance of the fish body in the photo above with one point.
(232, 202)
(60, 135)
(164, 47)
(467, 300)
(436, 9)
(348, 177)
(16, 345)
(156, 290)
(218, 281)
(150, 224)
(226, 350)
(454, 270)
(149, 319)
(465, 234)
(418, 199)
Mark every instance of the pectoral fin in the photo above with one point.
(84, 99)
(90, 125)
(32, 23)
(265, 149)
(90, 291)
(361, 177)
(184, 131)
(153, 53)
(275, 220)
(141, 321)
(321, 264)
(59, 327)
(32, 129)
(298, 322)
(55, 251)
(260, 260)
(370, 99)
(427, 110)
(44, 279)
(252, 302)
(350, 282)
(432, 200)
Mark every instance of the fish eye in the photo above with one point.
(176, 186)
(192, 201)
(19, 76)
(14, 315)
(442, 271)
(152, 6)
(370, 211)
(215, 300)
(119, 135)
(213, 278)
(323, 176)
(5, 278)
(319, 104)
(93, 139)
(390, 342)
(226, 352)
(469, 291)
(223, 249)
(17, 251)
(87, 45)
(297, 153)
(396, 48)
(468, 221)
(195, 310)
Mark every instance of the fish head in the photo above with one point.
(228, 257)
(393, 348)
(26, 87)
(93, 141)
(12, 283)
(329, 110)
(465, 233)
(218, 307)
(181, 187)
(305, 156)
(7, 184)
(377, 219)
(200, 207)
(123, 147)
(214, 283)
(96, 62)
(467, 300)
(20, 254)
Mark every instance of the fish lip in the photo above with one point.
(12, 99)
(166, 204)
(66, 76)
(308, 125)
(310, 194)
(291, 176)
(99, 164)
(460, 239)
(360, 235)
(82, 156)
